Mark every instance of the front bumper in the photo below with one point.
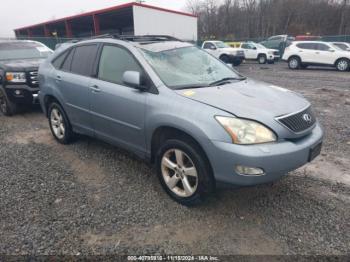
(276, 159)
(26, 94)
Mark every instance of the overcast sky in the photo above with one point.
(20, 13)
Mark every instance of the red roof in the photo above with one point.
(105, 10)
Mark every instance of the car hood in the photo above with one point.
(249, 99)
(21, 64)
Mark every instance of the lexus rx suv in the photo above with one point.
(308, 53)
(196, 119)
(19, 63)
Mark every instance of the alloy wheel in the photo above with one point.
(342, 65)
(57, 123)
(293, 63)
(179, 173)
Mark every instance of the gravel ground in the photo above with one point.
(92, 198)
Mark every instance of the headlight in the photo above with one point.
(270, 52)
(16, 77)
(246, 132)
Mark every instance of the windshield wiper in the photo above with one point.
(226, 80)
(190, 87)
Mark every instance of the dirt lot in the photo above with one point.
(91, 198)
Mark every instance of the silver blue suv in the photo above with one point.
(196, 119)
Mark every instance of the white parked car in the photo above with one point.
(342, 45)
(224, 52)
(260, 53)
(305, 53)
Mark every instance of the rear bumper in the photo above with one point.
(22, 94)
(276, 159)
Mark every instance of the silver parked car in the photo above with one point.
(199, 121)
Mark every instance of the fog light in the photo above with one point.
(249, 171)
(18, 92)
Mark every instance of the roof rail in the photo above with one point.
(138, 38)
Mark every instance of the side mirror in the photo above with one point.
(254, 48)
(134, 80)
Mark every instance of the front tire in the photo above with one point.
(60, 126)
(184, 172)
(343, 65)
(237, 62)
(262, 59)
(294, 63)
(225, 59)
(7, 107)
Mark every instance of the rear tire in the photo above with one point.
(343, 65)
(237, 62)
(262, 59)
(225, 59)
(294, 63)
(188, 188)
(7, 107)
(60, 126)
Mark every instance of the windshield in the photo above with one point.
(221, 45)
(187, 67)
(23, 50)
(341, 46)
(336, 47)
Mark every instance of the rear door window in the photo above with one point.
(84, 59)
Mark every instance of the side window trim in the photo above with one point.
(153, 89)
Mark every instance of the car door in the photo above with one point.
(211, 48)
(118, 111)
(326, 54)
(306, 51)
(74, 81)
(250, 51)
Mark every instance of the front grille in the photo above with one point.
(33, 78)
(300, 121)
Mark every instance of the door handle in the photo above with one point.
(95, 89)
(58, 78)
(317, 53)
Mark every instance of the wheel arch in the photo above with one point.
(340, 58)
(294, 56)
(164, 132)
(48, 99)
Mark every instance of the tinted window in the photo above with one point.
(307, 46)
(245, 46)
(83, 59)
(342, 46)
(59, 60)
(208, 46)
(114, 62)
(323, 47)
(67, 63)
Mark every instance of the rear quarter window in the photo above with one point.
(58, 61)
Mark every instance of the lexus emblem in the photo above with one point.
(307, 118)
